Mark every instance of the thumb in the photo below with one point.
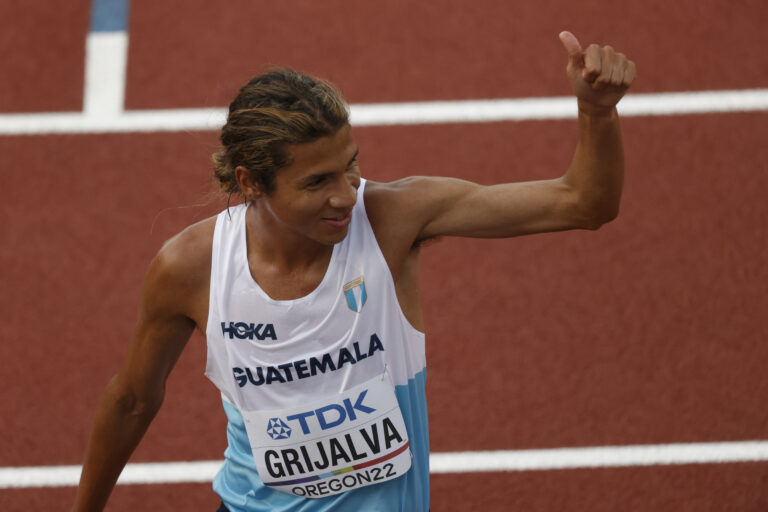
(572, 46)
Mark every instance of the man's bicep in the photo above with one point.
(161, 333)
(152, 354)
(461, 208)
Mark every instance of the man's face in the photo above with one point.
(314, 196)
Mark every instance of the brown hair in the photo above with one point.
(274, 110)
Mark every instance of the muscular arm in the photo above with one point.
(586, 196)
(133, 396)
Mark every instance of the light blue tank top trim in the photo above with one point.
(241, 489)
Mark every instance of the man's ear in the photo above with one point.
(248, 186)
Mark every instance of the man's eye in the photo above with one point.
(314, 182)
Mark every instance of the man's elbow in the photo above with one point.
(133, 404)
(595, 216)
(591, 208)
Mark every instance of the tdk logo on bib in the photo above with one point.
(242, 330)
(277, 429)
(331, 415)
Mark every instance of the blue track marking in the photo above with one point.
(109, 15)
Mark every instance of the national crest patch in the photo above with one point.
(355, 293)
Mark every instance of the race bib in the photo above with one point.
(342, 442)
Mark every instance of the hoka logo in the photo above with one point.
(242, 331)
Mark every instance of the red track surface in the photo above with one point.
(43, 51)
(651, 330)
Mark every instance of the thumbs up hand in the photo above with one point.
(599, 76)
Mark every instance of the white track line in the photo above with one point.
(458, 462)
(599, 456)
(382, 114)
(105, 62)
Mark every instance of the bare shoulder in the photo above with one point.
(398, 211)
(396, 198)
(398, 190)
(388, 204)
(410, 203)
(414, 192)
(189, 252)
(178, 278)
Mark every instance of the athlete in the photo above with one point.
(307, 294)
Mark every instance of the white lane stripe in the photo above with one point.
(105, 62)
(458, 462)
(129, 121)
(135, 473)
(525, 109)
(599, 456)
(382, 114)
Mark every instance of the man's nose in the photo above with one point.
(344, 195)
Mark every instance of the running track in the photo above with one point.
(650, 331)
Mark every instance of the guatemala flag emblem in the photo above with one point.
(354, 291)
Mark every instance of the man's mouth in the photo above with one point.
(339, 221)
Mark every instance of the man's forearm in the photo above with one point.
(119, 426)
(597, 169)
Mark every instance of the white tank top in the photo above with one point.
(305, 366)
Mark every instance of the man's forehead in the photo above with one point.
(325, 151)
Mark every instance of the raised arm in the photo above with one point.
(585, 197)
(133, 396)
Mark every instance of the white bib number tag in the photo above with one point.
(329, 446)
